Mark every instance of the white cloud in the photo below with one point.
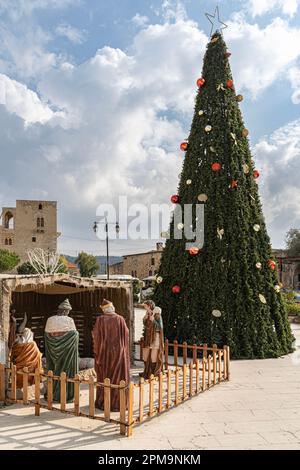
(260, 7)
(73, 34)
(294, 77)
(17, 8)
(18, 99)
(278, 158)
(140, 20)
(263, 55)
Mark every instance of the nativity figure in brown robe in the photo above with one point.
(111, 350)
(153, 351)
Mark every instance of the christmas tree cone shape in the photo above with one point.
(220, 295)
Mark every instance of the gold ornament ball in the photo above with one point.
(188, 182)
(245, 132)
(256, 227)
(208, 128)
(201, 112)
(202, 197)
(216, 313)
(180, 226)
(239, 98)
(258, 265)
(159, 280)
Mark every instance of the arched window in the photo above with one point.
(150, 273)
(9, 220)
(42, 222)
(38, 222)
(40, 207)
(6, 241)
(10, 241)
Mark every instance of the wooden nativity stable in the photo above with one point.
(39, 296)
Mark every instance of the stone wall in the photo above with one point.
(34, 226)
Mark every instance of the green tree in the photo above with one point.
(87, 264)
(293, 242)
(26, 268)
(8, 260)
(228, 289)
(63, 265)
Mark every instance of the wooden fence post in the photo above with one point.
(205, 350)
(214, 365)
(92, 398)
(2, 382)
(224, 363)
(63, 391)
(122, 407)
(176, 385)
(25, 386)
(184, 352)
(184, 382)
(169, 385)
(228, 362)
(107, 401)
(77, 395)
(141, 399)
(160, 392)
(194, 353)
(130, 409)
(167, 354)
(175, 353)
(151, 389)
(203, 374)
(220, 364)
(37, 392)
(13, 379)
(50, 389)
(209, 370)
(191, 379)
(197, 376)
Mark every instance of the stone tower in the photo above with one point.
(29, 225)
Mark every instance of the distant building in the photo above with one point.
(29, 225)
(73, 269)
(116, 268)
(288, 269)
(139, 265)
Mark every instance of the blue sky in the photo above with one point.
(95, 96)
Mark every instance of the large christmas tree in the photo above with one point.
(227, 291)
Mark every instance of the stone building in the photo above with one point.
(29, 225)
(140, 265)
(288, 269)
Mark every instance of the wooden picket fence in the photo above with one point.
(185, 377)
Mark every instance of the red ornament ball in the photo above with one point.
(229, 83)
(256, 174)
(200, 82)
(272, 264)
(216, 167)
(175, 199)
(176, 289)
(193, 251)
(184, 146)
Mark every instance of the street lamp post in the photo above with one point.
(106, 224)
